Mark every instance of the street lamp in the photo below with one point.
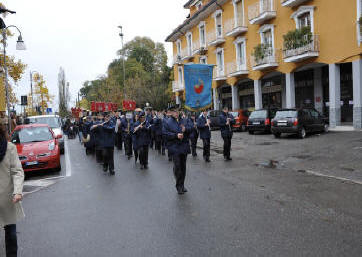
(19, 46)
(124, 67)
(31, 89)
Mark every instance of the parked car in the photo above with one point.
(298, 121)
(260, 120)
(241, 119)
(37, 146)
(54, 123)
(214, 118)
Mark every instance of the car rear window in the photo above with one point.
(286, 114)
(52, 122)
(31, 134)
(258, 114)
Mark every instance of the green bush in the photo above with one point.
(261, 51)
(297, 38)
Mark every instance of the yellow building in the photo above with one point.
(276, 53)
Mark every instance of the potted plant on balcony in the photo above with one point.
(261, 51)
(298, 38)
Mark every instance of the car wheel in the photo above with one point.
(302, 133)
(326, 128)
(277, 135)
(58, 169)
(251, 132)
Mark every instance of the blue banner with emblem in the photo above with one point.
(198, 83)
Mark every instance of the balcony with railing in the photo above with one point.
(199, 48)
(218, 73)
(186, 54)
(235, 27)
(261, 11)
(215, 37)
(177, 86)
(234, 69)
(264, 57)
(292, 3)
(299, 50)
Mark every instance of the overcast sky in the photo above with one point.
(82, 35)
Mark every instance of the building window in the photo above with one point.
(198, 5)
(239, 12)
(220, 61)
(178, 45)
(203, 59)
(180, 80)
(303, 17)
(240, 44)
(202, 32)
(189, 43)
(218, 23)
(267, 35)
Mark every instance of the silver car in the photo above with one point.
(54, 122)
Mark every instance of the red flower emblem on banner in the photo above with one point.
(199, 87)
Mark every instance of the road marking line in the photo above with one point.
(335, 177)
(68, 167)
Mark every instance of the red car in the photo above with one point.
(241, 119)
(37, 146)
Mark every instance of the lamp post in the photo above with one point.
(31, 89)
(19, 46)
(124, 67)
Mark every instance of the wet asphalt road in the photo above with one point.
(138, 213)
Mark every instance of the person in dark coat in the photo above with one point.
(149, 118)
(226, 121)
(157, 132)
(88, 138)
(194, 135)
(142, 130)
(127, 126)
(98, 138)
(177, 133)
(203, 125)
(165, 119)
(108, 134)
(134, 141)
(164, 141)
(118, 138)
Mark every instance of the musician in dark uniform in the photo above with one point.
(127, 126)
(118, 138)
(108, 135)
(194, 134)
(87, 137)
(226, 121)
(98, 138)
(142, 130)
(164, 141)
(177, 133)
(203, 125)
(157, 131)
(134, 141)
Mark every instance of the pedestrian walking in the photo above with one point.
(108, 135)
(165, 119)
(127, 126)
(88, 136)
(203, 125)
(134, 141)
(98, 138)
(194, 134)
(157, 128)
(11, 192)
(142, 130)
(149, 118)
(119, 137)
(226, 120)
(177, 132)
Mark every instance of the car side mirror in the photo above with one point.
(58, 136)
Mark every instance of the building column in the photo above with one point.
(318, 90)
(334, 95)
(284, 96)
(357, 93)
(258, 95)
(215, 98)
(290, 90)
(235, 97)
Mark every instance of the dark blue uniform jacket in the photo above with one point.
(204, 130)
(171, 128)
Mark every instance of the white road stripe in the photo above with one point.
(68, 166)
(334, 177)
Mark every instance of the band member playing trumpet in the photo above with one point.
(226, 120)
(126, 126)
(203, 125)
(194, 134)
(143, 139)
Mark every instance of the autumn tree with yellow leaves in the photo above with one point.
(41, 95)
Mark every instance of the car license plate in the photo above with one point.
(282, 123)
(31, 163)
(256, 123)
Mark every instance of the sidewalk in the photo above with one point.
(335, 154)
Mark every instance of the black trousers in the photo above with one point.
(163, 144)
(193, 146)
(227, 145)
(143, 153)
(152, 139)
(179, 169)
(158, 143)
(99, 155)
(206, 145)
(128, 145)
(11, 242)
(118, 141)
(108, 159)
